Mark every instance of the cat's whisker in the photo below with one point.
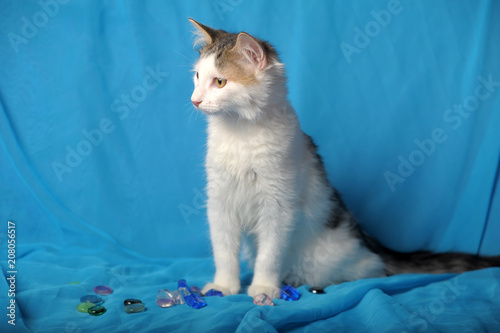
(191, 60)
(188, 107)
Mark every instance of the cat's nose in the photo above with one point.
(196, 103)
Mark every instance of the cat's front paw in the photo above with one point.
(225, 290)
(271, 291)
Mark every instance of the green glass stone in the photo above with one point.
(97, 310)
(84, 307)
(134, 308)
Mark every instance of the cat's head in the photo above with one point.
(236, 74)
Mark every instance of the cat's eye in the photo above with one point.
(220, 82)
(197, 75)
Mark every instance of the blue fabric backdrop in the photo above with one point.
(101, 156)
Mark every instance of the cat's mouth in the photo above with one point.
(208, 111)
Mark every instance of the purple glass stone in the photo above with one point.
(289, 293)
(213, 292)
(195, 289)
(165, 298)
(165, 302)
(263, 299)
(103, 290)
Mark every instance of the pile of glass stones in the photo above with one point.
(192, 296)
(92, 304)
(288, 293)
(133, 305)
(184, 295)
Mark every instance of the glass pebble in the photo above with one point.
(263, 299)
(289, 293)
(193, 300)
(97, 310)
(84, 307)
(183, 292)
(103, 290)
(195, 289)
(317, 290)
(165, 302)
(134, 308)
(129, 301)
(165, 298)
(182, 284)
(97, 300)
(213, 292)
(178, 298)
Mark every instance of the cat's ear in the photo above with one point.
(251, 49)
(206, 35)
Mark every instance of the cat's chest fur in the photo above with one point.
(250, 152)
(254, 166)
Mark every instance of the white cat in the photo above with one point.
(268, 191)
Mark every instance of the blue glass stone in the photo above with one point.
(213, 292)
(193, 300)
(289, 293)
(183, 284)
(103, 290)
(97, 300)
(134, 308)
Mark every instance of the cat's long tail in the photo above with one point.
(429, 262)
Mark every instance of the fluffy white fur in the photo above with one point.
(265, 191)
